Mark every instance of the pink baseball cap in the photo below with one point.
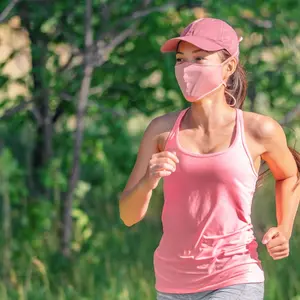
(208, 34)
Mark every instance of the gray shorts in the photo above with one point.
(245, 291)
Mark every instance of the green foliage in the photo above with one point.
(134, 84)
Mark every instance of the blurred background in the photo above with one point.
(80, 81)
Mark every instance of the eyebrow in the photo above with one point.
(193, 51)
(198, 50)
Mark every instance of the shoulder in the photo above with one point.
(161, 125)
(164, 122)
(263, 128)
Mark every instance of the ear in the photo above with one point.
(231, 66)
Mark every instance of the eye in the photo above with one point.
(178, 60)
(199, 58)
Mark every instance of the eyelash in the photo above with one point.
(197, 58)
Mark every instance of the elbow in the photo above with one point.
(127, 223)
(127, 220)
(129, 217)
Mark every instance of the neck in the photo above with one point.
(210, 113)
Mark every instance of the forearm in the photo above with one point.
(287, 200)
(134, 204)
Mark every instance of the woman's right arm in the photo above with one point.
(149, 167)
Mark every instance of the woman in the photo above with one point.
(209, 155)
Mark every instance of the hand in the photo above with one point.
(277, 243)
(160, 165)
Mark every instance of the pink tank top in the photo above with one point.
(208, 241)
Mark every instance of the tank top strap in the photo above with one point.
(174, 129)
(239, 124)
(179, 118)
(242, 139)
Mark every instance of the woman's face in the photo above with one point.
(187, 52)
(191, 53)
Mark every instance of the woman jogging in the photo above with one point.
(209, 155)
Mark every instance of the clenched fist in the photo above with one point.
(277, 243)
(160, 165)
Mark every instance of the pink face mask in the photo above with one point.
(198, 80)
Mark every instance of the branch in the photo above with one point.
(103, 53)
(60, 108)
(11, 111)
(68, 63)
(134, 16)
(108, 110)
(147, 3)
(101, 50)
(259, 23)
(7, 10)
(146, 12)
(96, 90)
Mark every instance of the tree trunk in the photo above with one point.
(42, 150)
(66, 230)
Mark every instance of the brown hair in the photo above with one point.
(237, 85)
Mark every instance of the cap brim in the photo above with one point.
(200, 42)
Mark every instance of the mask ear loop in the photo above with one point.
(234, 100)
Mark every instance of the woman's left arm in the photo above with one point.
(284, 169)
